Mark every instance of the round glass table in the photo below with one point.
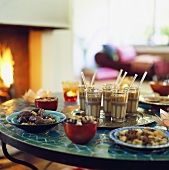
(53, 145)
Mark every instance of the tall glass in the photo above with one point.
(119, 105)
(107, 90)
(93, 102)
(82, 94)
(133, 100)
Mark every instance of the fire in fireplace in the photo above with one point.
(6, 72)
(14, 60)
(6, 66)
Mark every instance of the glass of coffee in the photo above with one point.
(133, 100)
(119, 105)
(93, 102)
(107, 90)
(82, 94)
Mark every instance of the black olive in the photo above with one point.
(24, 114)
(32, 118)
(39, 120)
(21, 120)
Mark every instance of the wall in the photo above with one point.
(35, 53)
(46, 13)
(90, 31)
(57, 59)
(51, 56)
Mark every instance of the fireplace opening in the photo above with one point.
(14, 61)
(6, 73)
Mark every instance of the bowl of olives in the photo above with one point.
(80, 130)
(36, 120)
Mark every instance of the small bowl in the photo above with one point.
(160, 87)
(80, 134)
(47, 103)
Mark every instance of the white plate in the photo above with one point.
(114, 136)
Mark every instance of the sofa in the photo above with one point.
(126, 58)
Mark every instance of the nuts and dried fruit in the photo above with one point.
(81, 120)
(146, 137)
(35, 117)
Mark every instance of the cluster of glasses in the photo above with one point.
(116, 102)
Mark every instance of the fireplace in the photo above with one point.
(16, 39)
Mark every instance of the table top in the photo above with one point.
(53, 145)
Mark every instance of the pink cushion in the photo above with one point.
(126, 53)
(104, 73)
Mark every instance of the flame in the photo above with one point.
(124, 86)
(71, 94)
(6, 66)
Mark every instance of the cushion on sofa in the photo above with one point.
(104, 73)
(111, 52)
(126, 53)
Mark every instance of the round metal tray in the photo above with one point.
(138, 119)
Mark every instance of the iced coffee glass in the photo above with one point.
(82, 97)
(107, 90)
(119, 105)
(93, 102)
(133, 100)
(70, 90)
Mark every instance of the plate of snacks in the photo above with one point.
(140, 137)
(155, 100)
(36, 120)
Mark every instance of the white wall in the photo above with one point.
(47, 13)
(52, 61)
(57, 59)
(90, 19)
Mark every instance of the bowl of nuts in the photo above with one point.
(47, 103)
(80, 130)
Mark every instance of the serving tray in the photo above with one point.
(138, 119)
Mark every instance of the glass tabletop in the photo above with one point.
(55, 140)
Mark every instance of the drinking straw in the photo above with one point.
(122, 79)
(132, 81)
(117, 80)
(84, 80)
(142, 79)
(93, 78)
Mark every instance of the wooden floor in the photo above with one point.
(41, 164)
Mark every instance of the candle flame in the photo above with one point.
(71, 94)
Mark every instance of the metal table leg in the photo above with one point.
(4, 149)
